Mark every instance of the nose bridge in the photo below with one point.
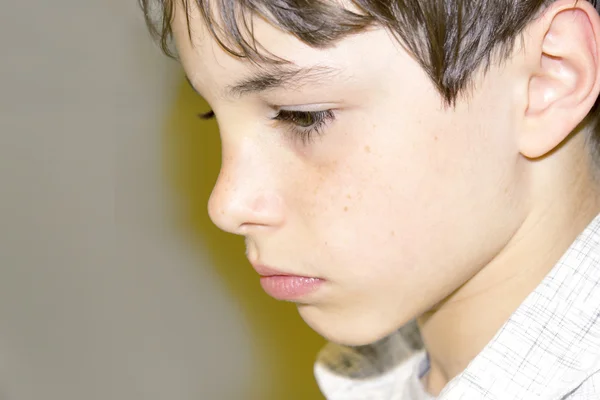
(245, 194)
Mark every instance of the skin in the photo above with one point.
(406, 208)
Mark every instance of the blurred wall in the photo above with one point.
(113, 282)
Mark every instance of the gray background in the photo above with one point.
(113, 283)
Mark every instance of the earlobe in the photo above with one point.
(565, 81)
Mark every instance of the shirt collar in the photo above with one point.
(546, 349)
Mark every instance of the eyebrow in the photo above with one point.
(282, 77)
(278, 77)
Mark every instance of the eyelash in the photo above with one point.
(306, 133)
(293, 119)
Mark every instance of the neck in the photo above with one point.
(461, 325)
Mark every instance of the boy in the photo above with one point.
(413, 159)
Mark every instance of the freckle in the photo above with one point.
(345, 209)
(368, 149)
(393, 233)
(435, 138)
(348, 197)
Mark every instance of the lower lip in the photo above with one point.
(289, 287)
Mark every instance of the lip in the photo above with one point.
(286, 286)
(265, 271)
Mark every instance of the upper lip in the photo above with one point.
(266, 271)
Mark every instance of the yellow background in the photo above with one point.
(284, 343)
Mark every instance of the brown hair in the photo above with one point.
(451, 39)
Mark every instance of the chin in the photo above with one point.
(354, 331)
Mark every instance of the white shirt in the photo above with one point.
(549, 348)
(389, 370)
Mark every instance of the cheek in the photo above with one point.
(402, 222)
(405, 208)
(357, 213)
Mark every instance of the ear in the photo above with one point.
(562, 52)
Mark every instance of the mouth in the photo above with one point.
(286, 286)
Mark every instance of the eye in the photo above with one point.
(302, 124)
(305, 124)
(207, 115)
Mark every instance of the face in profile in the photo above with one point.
(363, 198)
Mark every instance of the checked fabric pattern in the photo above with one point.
(548, 349)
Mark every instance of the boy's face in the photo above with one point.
(394, 204)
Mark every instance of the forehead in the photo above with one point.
(209, 66)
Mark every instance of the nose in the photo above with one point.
(245, 196)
